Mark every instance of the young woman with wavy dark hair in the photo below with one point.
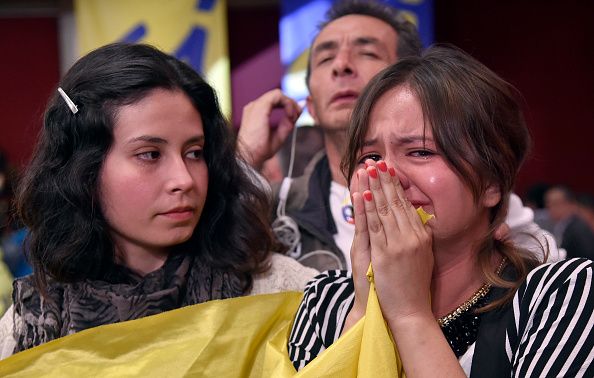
(136, 202)
(445, 133)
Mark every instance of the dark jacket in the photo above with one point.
(578, 239)
(308, 203)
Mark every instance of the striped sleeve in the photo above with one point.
(550, 334)
(321, 315)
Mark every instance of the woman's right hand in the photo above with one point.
(399, 245)
(360, 251)
(390, 234)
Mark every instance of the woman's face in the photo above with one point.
(397, 135)
(154, 179)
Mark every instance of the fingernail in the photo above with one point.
(382, 166)
(372, 172)
(392, 172)
(367, 195)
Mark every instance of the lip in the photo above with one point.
(179, 213)
(347, 96)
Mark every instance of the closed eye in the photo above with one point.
(370, 54)
(323, 60)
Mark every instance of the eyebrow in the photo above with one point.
(401, 140)
(331, 45)
(158, 140)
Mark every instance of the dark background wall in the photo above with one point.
(546, 49)
(29, 70)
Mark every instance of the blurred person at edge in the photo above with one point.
(356, 41)
(585, 202)
(12, 234)
(6, 232)
(571, 231)
(534, 199)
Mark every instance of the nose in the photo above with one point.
(342, 64)
(179, 178)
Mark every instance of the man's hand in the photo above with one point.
(257, 141)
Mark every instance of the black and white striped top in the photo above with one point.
(548, 330)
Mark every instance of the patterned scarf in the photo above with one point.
(123, 295)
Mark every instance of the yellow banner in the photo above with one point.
(239, 337)
(195, 31)
(223, 338)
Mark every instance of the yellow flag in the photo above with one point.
(195, 31)
(239, 337)
(223, 338)
(367, 350)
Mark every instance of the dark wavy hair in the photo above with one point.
(57, 200)
(408, 42)
(478, 127)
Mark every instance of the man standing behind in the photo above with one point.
(357, 41)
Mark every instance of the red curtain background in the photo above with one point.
(546, 49)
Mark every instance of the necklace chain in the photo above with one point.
(480, 293)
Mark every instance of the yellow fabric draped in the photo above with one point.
(239, 337)
(365, 350)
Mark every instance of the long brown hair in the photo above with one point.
(478, 127)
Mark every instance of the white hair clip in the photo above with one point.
(69, 102)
